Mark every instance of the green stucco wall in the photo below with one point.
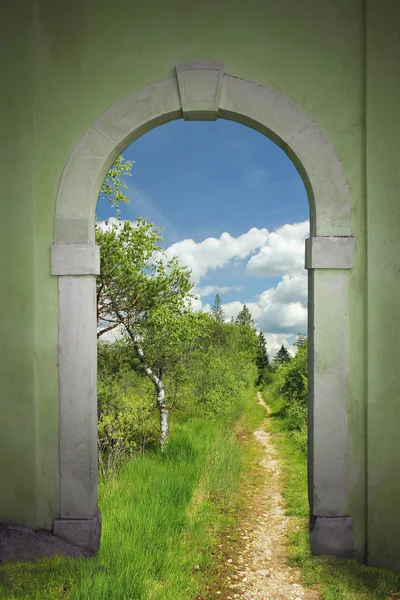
(65, 64)
(17, 267)
(383, 193)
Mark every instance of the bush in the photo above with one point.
(125, 417)
(290, 386)
(221, 383)
(212, 378)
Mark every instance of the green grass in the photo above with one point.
(163, 516)
(336, 579)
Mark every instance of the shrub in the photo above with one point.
(125, 417)
(211, 378)
(290, 386)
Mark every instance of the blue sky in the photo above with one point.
(198, 180)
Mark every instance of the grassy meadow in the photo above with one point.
(163, 517)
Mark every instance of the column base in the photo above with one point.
(332, 536)
(84, 533)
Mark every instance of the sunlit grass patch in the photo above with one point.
(163, 515)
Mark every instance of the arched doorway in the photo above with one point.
(202, 91)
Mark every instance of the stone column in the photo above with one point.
(328, 260)
(76, 266)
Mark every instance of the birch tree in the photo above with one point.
(141, 293)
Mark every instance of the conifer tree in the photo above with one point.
(300, 340)
(244, 317)
(217, 311)
(282, 357)
(262, 360)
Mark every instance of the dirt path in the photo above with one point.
(261, 568)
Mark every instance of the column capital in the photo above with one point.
(75, 259)
(330, 252)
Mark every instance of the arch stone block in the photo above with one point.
(200, 87)
(204, 91)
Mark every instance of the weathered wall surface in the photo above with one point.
(383, 193)
(65, 64)
(17, 266)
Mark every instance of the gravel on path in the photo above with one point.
(261, 567)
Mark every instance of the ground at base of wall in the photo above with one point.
(21, 543)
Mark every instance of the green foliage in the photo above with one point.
(115, 358)
(143, 294)
(290, 385)
(282, 357)
(244, 317)
(218, 385)
(197, 364)
(204, 375)
(213, 369)
(136, 283)
(163, 518)
(111, 189)
(125, 417)
(262, 361)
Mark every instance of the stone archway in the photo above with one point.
(203, 91)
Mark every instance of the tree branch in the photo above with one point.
(110, 328)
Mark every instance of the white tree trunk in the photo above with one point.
(159, 385)
(164, 418)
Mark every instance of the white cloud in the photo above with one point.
(283, 251)
(282, 318)
(215, 289)
(279, 310)
(195, 303)
(275, 341)
(231, 309)
(279, 252)
(214, 253)
(291, 289)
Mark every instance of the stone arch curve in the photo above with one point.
(203, 91)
